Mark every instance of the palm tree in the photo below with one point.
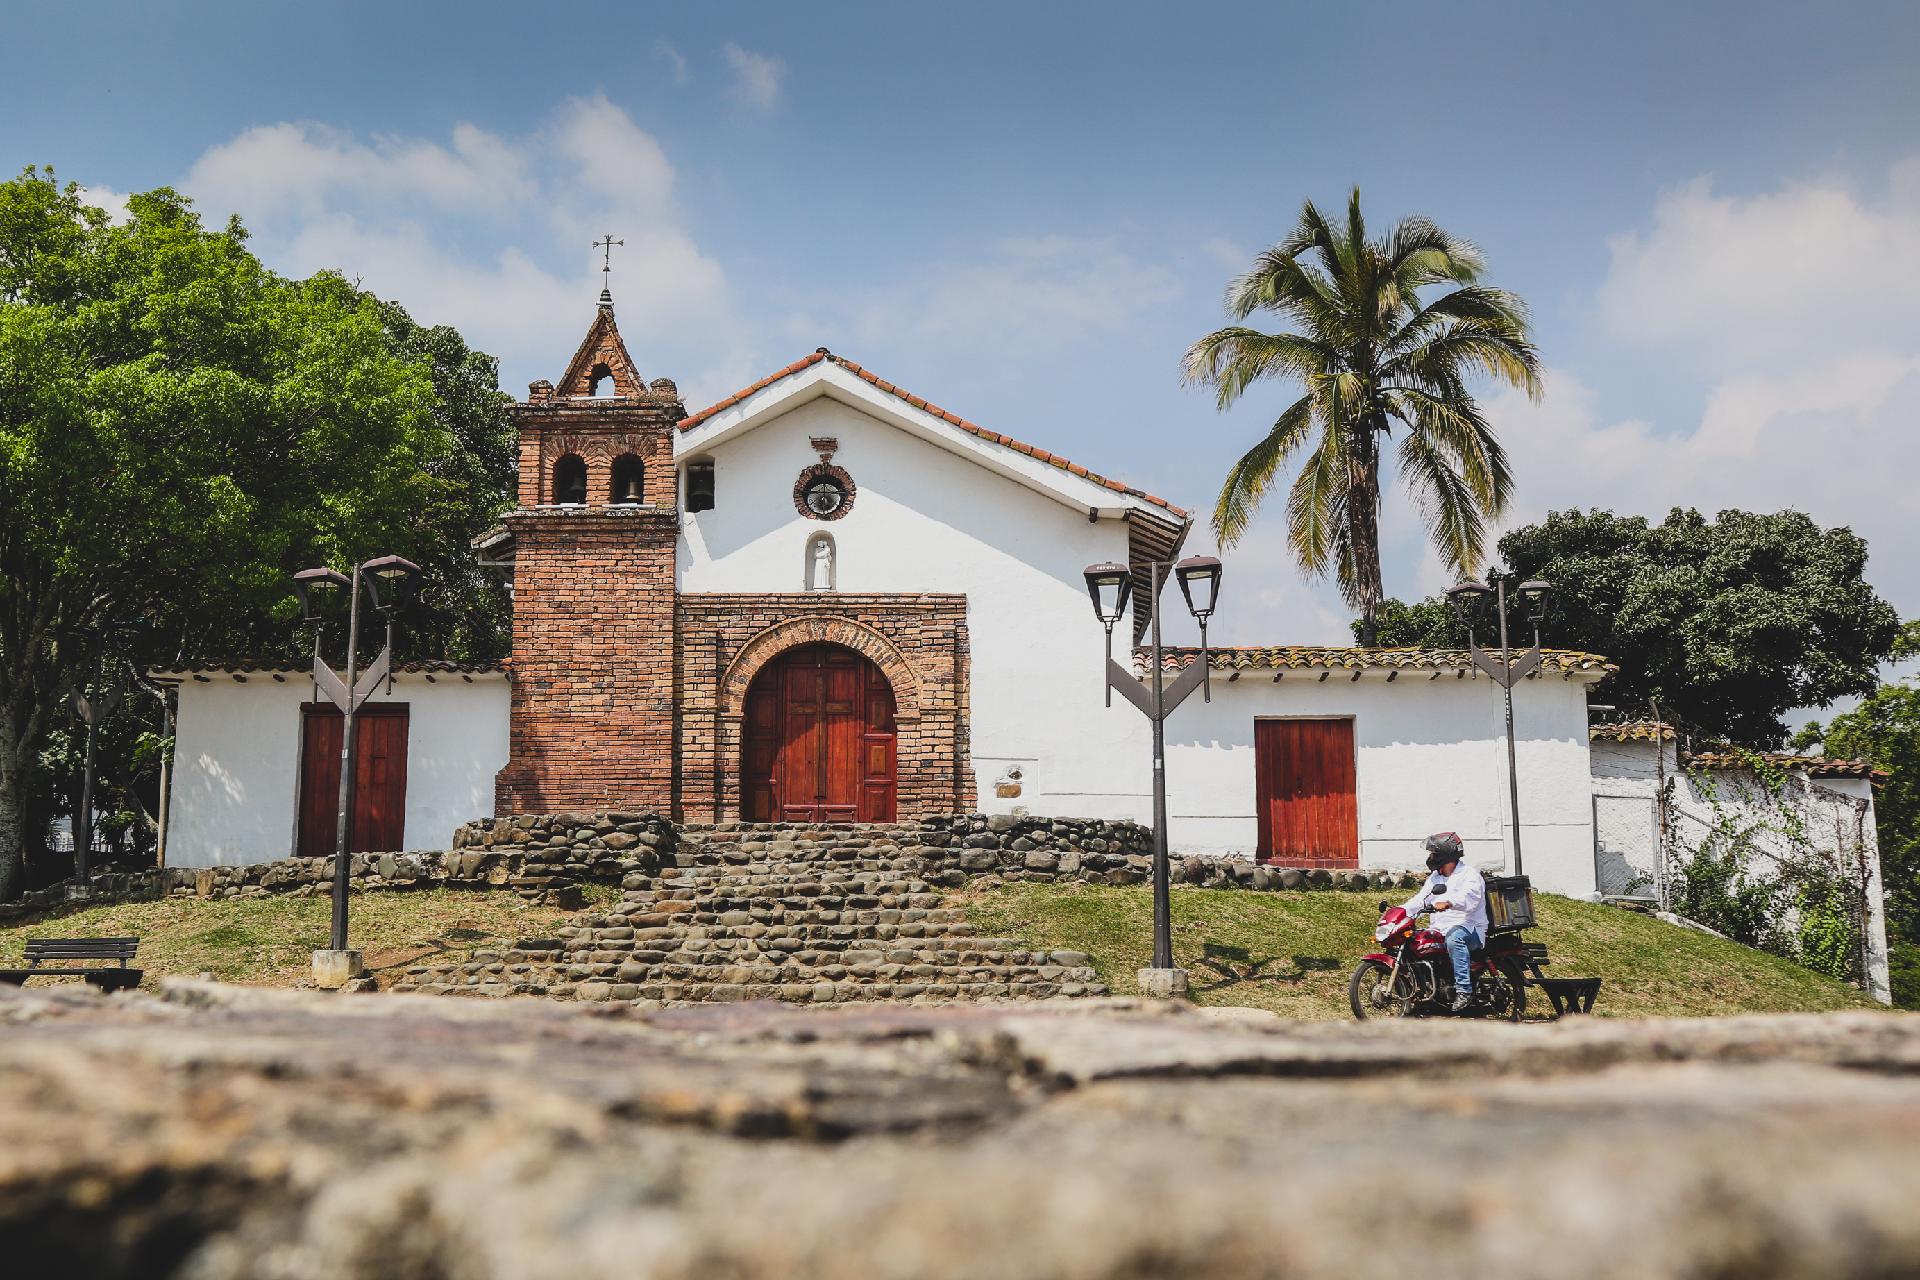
(1371, 355)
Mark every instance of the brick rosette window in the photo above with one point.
(815, 475)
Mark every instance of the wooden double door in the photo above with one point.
(379, 778)
(1304, 785)
(820, 740)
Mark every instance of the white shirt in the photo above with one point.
(1464, 892)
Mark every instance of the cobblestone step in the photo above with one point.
(748, 911)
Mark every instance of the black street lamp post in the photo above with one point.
(1507, 668)
(1109, 585)
(348, 693)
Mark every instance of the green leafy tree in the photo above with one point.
(1728, 622)
(1371, 354)
(180, 429)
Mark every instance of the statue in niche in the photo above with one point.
(820, 566)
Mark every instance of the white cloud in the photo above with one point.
(399, 214)
(1741, 280)
(675, 59)
(757, 77)
(1058, 288)
(112, 203)
(1792, 309)
(1833, 439)
(304, 169)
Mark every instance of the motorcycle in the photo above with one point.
(1411, 976)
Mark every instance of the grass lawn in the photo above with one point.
(1293, 952)
(270, 941)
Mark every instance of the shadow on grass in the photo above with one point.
(1235, 966)
(399, 957)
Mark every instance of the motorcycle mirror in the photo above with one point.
(1383, 906)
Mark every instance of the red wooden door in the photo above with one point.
(1304, 784)
(819, 740)
(379, 783)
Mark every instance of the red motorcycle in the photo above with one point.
(1412, 975)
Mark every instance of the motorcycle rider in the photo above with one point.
(1456, 893)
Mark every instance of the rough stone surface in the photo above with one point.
(813, 914)
(219, 1133)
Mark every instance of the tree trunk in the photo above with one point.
(1363, 531)
(13, 815)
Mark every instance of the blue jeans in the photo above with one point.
(1461, 940)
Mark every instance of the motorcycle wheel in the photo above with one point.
(1511, 1002)
(1367, 993)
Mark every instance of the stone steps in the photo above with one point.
(749, 911)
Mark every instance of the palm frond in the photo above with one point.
(1250, 478)
(1512, 360)
(1450, 509)
(1455, 430)
(1316, 506)
(1232, 359)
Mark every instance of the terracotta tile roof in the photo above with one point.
(1631, 731)
(1721, 756)
(253, 666)
(1354, 658)
(921, 403)
(1815, 766)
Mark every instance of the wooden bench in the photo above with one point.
(104, 962)
(1566, 995)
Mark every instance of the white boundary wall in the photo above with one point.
(1430, 755)
(237, 758)
(1838, 814)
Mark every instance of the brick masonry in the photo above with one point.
(629, 696)
(919, 642)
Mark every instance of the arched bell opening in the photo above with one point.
(819, 743)
(628, 488)
(570, 480)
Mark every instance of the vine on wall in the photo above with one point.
(1763, 871)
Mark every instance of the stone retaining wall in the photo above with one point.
(1008, 847)
(544, 859)
(548, 857)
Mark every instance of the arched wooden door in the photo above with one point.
(819, 741)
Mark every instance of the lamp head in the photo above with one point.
(1200, 584)
(1108, 586)
(1466, 587)
(395, 574)
(316, 587)
(1535, 588)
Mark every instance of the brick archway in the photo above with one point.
(793, 633)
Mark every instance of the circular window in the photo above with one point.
(823, 492)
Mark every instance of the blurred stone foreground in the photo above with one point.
(226, 1133)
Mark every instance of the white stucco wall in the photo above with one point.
(237, 759)
(1837, 813)
(928, 520)
(1430, 756)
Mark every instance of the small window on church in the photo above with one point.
(570, 480)
(629, 474)
(822, 571)
(700, 485)
(600, 375)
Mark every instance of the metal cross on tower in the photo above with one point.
(606, 244)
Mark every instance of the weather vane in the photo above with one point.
(606, 244)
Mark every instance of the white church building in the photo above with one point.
(828, 599)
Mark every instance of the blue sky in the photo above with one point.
(1026, 212)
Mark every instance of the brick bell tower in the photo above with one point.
(592, 724)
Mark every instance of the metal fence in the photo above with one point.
(1626, 847)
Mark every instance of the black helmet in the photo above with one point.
(1442, 849)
